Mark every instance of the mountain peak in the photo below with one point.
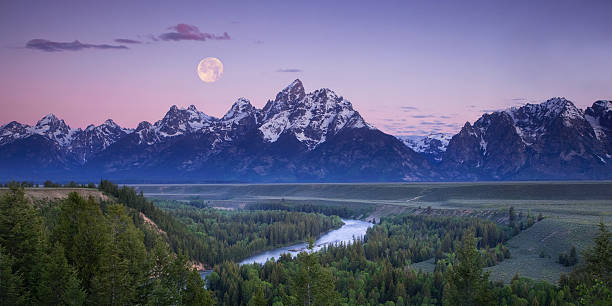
(240, 109)
(111, 123)
(294, 92)
(602, 105)
(144, 125)
(47, 119)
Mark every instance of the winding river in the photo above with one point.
(352, 229)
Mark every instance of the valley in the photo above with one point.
(517, 233)
(572, 210)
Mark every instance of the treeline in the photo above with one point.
(344, 275)
(406, 239)
(79, 252)
(235, 235)
(341, 211)
(47, 184)
(71, 184)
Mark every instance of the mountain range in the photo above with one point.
(313, 137)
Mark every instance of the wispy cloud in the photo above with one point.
(127, 41)
(422, 116)
(184, 31)
(55, 46)
(289, 70)
(408, 108)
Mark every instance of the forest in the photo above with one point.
(82, 251)
(234, 235)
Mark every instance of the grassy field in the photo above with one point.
(572, 210)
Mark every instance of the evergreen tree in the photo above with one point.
(84, 234)
(598, 259)
(12, 291)
(21, 236)
(466, 282)
(123, 264)
(58, 281)
(258, 299)
(312, 283)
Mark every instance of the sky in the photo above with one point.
(408, 67)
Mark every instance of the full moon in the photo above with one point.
(210, 69)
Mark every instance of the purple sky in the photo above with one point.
(407, 67)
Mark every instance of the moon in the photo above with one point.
(210, 69)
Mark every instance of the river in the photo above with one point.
(352, 229)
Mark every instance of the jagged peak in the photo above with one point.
(192, 112)
(602, 104)
(241, 108)
(557, 102)
(48, 119)
(14, 124)
(295, 84)
(110, 122)
(144, 125)
(558, 106)
(294, 92)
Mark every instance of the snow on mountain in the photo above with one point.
(94, 139)
(420, 143)
(180, 121)
(600, 118)
(553, 139)
(241, 109)
(147, 133)
(311, 117)
(432, 145)
(13, 131)
(535, 140)
(532, 120)
(55, 129)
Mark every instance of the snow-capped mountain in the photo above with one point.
(551, 140)
(315, 136)
(432, 145)
(298, 136)
(600, 117)
(94, 139)
(180, 121)
(311, 117)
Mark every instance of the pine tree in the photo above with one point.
(194, 293)
(466, 282)
(312, 283)
(122, 266)
(598, 259)
(21, 235)
(12, 290)
(58, 280)
(84, 234)
(258, 299)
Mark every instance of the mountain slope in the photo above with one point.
(552, 140)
